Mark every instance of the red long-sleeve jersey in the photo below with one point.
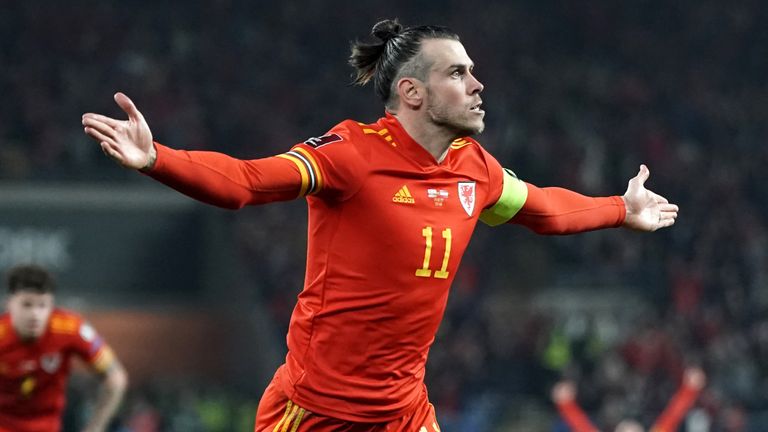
(33, 375)
(388, 225)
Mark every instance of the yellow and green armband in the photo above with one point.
(513, 196)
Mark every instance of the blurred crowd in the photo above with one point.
(578, 94)
(168, 405)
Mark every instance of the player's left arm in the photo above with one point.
(553, 210)
(113, 378)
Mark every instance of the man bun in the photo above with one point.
(386, 29)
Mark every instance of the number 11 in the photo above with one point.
(424, 271)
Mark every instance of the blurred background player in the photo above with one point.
(564, 398)
(38, 342)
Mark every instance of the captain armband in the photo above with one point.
(513, 195)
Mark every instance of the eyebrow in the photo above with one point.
(461, 66)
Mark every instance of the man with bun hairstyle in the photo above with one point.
(392, 206)
(38, 342)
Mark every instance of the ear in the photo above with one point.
(411, 92)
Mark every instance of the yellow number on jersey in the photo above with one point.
(424, 271)
(27, 386)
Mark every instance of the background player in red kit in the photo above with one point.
(392, 206)
(37, 344)
(564, 397)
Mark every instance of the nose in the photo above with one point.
(39, 315)
(475, 86)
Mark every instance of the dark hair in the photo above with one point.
(383, 60)
(30, 277)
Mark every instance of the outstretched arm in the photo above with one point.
(113, 384)
(213, 178)
(553, 210)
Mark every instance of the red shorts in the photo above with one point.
(276, 413)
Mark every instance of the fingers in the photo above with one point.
(100, 118)
(664, 223)
(658, 198)
(111, 151)
(105, 136)
(668, 208)
(636, 183)
(126, 104)
(643, 174)
(664, 205)
(99, 131)
(667, 215)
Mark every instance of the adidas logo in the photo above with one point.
(403, 196)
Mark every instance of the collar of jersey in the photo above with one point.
(412, 149)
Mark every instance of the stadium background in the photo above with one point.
(578, 94)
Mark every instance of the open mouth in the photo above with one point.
(476, 108)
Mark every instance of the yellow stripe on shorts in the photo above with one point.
(299, 416)
(287, 411)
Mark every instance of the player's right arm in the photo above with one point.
(224, 181)
(211, 177)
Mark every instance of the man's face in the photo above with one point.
(453, 93)
(30, 312)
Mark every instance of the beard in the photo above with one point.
(459, 122)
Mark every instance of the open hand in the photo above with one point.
(646, 211)
(128, 142)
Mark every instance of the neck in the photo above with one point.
(434, 138)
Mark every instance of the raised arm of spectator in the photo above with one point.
(564, 398)
(693, 381)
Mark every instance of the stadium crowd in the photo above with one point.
(577, 93)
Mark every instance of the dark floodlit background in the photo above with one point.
(578, 93)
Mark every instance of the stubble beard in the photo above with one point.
(459, 126)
